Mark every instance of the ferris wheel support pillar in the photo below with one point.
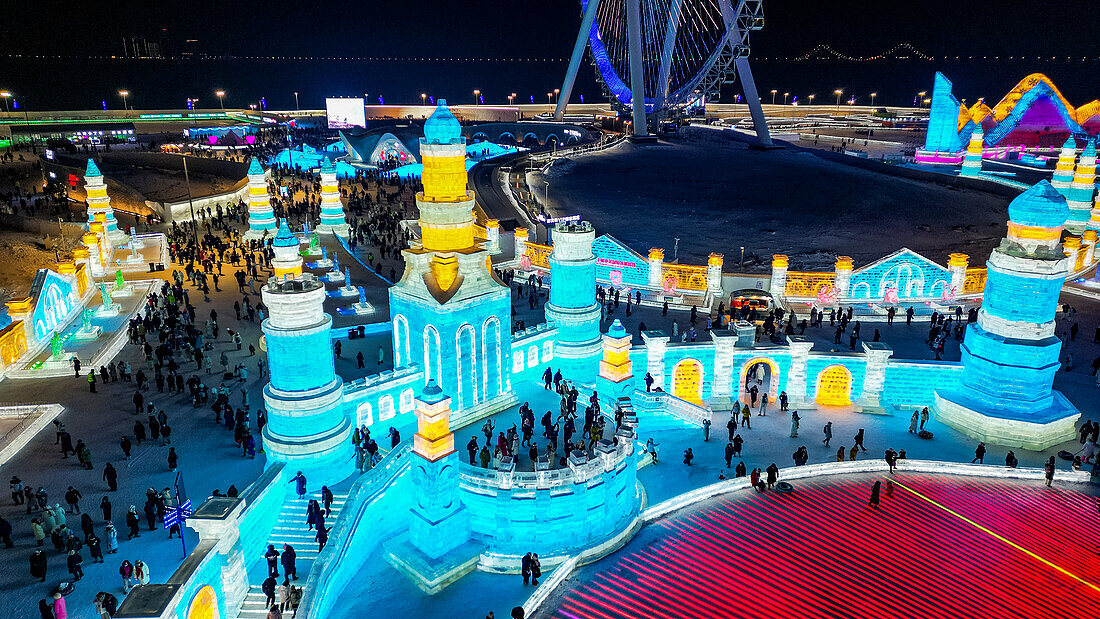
(637, 84)
(575, 59)
(744, 73)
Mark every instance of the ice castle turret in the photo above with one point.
(261, 218)
(95, 189)
(1063, 171)
(451, 315)
(332, 209)
(1010, 355)
(1081, 190)
(972, 160)
(572, 306)
(287, 260)
(616, 377)
(306, 426)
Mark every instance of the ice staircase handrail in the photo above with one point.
(320, 584)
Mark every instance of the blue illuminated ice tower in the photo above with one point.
(451, 315)
(572, 305)
(332, 209)
(306, 426)
(1010, 355)
(261, 217)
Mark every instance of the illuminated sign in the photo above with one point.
(345, 113)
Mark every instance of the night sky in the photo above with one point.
(518, 28)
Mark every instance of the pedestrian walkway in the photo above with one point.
(290, 528)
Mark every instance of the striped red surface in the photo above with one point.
(939, 547)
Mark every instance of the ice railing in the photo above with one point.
(323, 585)
(668, 403)
(519, 337)
(381, 378)
(580, 467)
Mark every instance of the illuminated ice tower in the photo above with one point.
(1063, 170)
(95, 188)
(306, 426)
(261, 219)
(332, 209)
(1010, 355)
(450, 313)
(287, 260)
(972, 160)
(1080, 192)
(572, 306)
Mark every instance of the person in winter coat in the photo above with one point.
(36, 529)
(272, 557)
(5, 533)
(141, 572)
(288, 558)
(313, 517)
(110, 475)
(74, 561)
(45, 609)
(38, 565)
(282, 593)
(59, 610)
(268, 587)
(105, 507)
(133, 521)
(95, 548)
(126, 570)
(86, 525)
(299, 481)
(112, 539)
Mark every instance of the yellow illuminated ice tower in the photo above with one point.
(95, 190)
(616, 379)
(450, 313)
(261, 217)
(437, 550)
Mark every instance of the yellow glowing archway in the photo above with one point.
(204, 605)
(834, 386)
(687, 381)
(773, 380)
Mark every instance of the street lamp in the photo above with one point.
(477, 93)
(296, 108)
(5, 95)
(124, 94)
(785, 95)
(511, 98)
(773, 96)
(423, 98)
(220, 94)
(873, 95)
(838, 92)
(557, 91)
(548, 95)
(812, 99)
(920, 102)
(742, 264)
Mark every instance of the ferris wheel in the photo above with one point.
(668, 54)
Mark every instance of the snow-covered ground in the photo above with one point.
(716, 195)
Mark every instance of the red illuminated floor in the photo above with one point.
(939, 547)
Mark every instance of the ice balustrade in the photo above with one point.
(607, 455)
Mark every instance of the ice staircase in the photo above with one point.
(290, 528)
